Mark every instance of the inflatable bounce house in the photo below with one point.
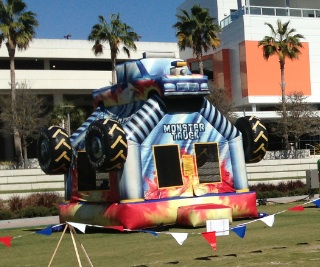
(154, 152)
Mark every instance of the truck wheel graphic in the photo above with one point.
(255, 138)
(106, 145)
(54, 150)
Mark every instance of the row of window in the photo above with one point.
(40, 64)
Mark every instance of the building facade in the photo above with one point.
(238, 64)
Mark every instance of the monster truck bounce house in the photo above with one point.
(154, 152)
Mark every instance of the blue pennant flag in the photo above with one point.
(240, 230)
(149, 232)
(46, 231)
(317, 202)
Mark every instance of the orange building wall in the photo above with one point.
(221, 68)
(260, 77)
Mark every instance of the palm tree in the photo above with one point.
(284, 43)
(115, 33)
(197, 31)
(17, 28)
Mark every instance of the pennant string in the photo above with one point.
(240, 229)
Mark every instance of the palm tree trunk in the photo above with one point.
(113, 62)
(284, 108)
(200, 62)
(16, 136)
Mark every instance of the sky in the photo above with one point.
(151, 19)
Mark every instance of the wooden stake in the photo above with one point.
(56, 249)
(75, 245)
(82, 247)
(73, 236)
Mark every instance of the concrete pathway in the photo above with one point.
(28, 222)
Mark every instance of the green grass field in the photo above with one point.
(294, 240)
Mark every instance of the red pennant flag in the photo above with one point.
(6, 240)
(297, 208)
(211, 238)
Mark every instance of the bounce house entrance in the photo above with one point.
(207, 160)
(167, 159)
(202, 168)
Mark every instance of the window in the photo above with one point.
(268, 11)
(167, 160)
(207, 159)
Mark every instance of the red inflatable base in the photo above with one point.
(151, 213)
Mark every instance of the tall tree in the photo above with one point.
(197, 30)
(115, 33)
(26, 117)
(221, 99)
(302, 117)
(17, 29)
(284, 43)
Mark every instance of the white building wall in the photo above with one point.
(218, 9)
(70, 81)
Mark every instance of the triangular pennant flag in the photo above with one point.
(179, 237)
(80, 226)
(317, 202)
(149, 232)
(240, 230)
(45, 231)
(57, 228)
(269, 220)
(6, 240)
(119, 228)
(297, 208)
(211, 238)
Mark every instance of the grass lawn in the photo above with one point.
(294, 240)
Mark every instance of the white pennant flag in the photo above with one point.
(179, 237)
(268, 220)
(80, 226)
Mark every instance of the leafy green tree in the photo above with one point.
(26, 117)
(59, 116)
(17, 28)
(284, 43)
(115, 33)
(197, 30)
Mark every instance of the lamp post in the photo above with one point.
(68, 109)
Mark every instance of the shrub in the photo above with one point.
(283, 189)
(15, 203)
(31, 212)
(2, 204)
(48, 199)
(5, 214)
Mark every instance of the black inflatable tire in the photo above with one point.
(255, 138)
(106, 145)
(54, 150)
